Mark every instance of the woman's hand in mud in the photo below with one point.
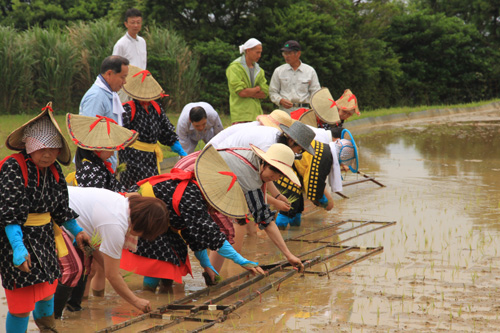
(255, 270)
(143, 304)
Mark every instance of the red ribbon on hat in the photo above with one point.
(48, 107)
(333, 103)
(228, 173)
(164, 95)
(144, 74)
(108, 121)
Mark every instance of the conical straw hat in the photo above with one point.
(141, 85)
(281, 157)
(15, 139)
(98, 133)
(275, 118)
(219, 184)
(348, 102)
(325, 106)
(309, 118)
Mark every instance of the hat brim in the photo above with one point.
(320, 102)
(309, 118)
(267, 120)
(285, 169)
(291, 135)
(15, 139)
(219, 184)
(91, 133)
(346, 134)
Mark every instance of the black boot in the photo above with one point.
(75, 302)
(61, 296)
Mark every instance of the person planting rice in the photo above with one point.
(253, 168)
(146, 116)
(189, 195)
(330, 159)
(33, 204)
(117, 221)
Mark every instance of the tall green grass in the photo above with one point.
(16, 76)
(174, 66)
(41, 65)
(93, 41)
(54, 67)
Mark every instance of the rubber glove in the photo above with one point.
(202, 257)
(323, 201)
(177, 148)
(15, 236)
(73, 227)
(227, 251)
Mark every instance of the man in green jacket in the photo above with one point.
(247, 83)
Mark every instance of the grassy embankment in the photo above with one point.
(10, 122)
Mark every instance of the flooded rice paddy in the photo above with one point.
(439, 270)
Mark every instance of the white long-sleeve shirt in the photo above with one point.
(188, 135)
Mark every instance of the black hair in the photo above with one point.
(115, 63)
(197, 113)
(132, 12)
(282, 138)
(82, 154)
(273, 168)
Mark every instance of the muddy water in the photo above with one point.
(440, 263)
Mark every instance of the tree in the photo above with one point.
(443, 59)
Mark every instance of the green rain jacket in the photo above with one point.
(238, 78)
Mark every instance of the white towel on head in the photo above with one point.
(117, 104)
(252, 42)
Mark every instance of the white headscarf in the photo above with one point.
(251, 43)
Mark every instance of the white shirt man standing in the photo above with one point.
(132, 46)
(293, 83)
(198, 121)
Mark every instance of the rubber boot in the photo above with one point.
(75, 302)
(150, 283)
(282, 221)
(46, 324)
(166, 286)
(296, 220)
(61, 297)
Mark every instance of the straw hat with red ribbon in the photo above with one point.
(17, 140)
(275, 118)
(325, 106)
(348, 102)
(219, 184)
(141, 85)
(98, 133)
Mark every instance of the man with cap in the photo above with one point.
(198, 121)
(102, 98)
(247, 83)
(293, 83)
